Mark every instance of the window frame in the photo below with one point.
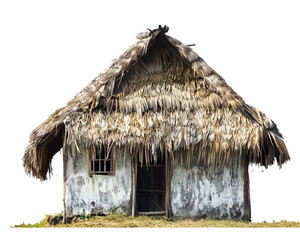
(100, 155)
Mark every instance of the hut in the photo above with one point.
(158, 132)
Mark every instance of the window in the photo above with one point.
(102, 163)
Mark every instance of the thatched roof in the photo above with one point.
(158, 96)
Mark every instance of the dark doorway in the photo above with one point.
(151, 188)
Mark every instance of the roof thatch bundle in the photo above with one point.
(158, 96)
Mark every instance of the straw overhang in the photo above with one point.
(159, 95)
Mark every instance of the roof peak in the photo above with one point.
(104, 96)
(160, 29)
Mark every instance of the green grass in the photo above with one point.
(41, 224)
(122, 221)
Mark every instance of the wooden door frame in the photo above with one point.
(168, 189)
(134, 188)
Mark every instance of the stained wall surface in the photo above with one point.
(207, 192)
(196, 192)
(98, 194)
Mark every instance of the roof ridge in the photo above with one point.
(103, 87)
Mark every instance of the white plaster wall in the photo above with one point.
(98, 193)
(207, 192)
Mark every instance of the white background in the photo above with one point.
(50, 50)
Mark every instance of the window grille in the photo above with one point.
(102, 163)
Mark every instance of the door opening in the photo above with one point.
(151, 188)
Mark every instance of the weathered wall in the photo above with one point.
(207, 192)
(98, 193)
(195, 192)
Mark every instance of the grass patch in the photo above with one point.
(41, 224)
(123, 221)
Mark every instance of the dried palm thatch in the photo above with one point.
(159, 96)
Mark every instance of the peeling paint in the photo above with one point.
(97, 194)
(207, 192)
(196, 192)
